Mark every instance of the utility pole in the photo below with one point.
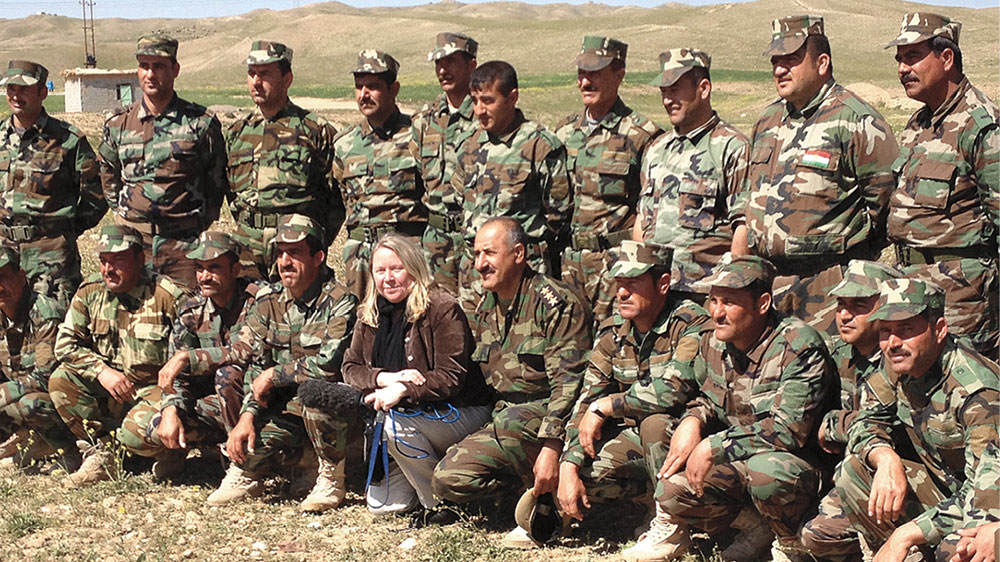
(89, 44)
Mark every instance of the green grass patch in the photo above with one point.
(21, 523)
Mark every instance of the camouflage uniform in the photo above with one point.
(603, 160)
(164, 175)
(378, 169)
(441, 131)
(128, 332)
(622, 357)
(521, 175)
(819, 179)
(982, 504)
(758, 409)
(944, 215)
(50, 193)
(948, 415)
(690, 185)
(534, 355)
(279, 165)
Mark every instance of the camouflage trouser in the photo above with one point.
(281, 436)
(229, 390)
(439, 247)
(256, 257)
(168, 255)
(470, 283)
(854, 485)
(588, 273)
(138, 430)
(28, 405)
(829, 533)
(619, 470)
(52, 265)
(330, 435)
(971, 298)
(498, 458)
(84, 404)
(781, 486)
(655, 432)
(808, 297)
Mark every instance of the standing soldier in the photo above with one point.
(510, 167)
(944, 215)
(604, 147)
(280, 158)
(692, 175)
(377, 165)
(442, 127)
(819, 176)
(51, 190)
(163, 163)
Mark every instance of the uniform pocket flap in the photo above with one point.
(933, 170)
(614, 163)
(149, 331)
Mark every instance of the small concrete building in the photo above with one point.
(95, 89)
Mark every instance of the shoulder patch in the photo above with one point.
(550, 297)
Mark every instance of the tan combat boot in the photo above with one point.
(665, 540)
(329, 491)
(236, 485)
(789, 551)
(29, 450)
(98, 465)
(9, 447)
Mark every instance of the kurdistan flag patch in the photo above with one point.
(817, 158)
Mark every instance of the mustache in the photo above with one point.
(907, 78)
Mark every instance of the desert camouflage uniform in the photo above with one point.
(50, 193)
(521, 175)
(534, 355)
(603, 164)
(280, 165)
(981, 505)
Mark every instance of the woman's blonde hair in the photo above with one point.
(415, 263)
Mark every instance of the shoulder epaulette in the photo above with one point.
(47, 308)
(550, 296)
(568, 120)
(857, 105)
(982, 117)
(171, 287)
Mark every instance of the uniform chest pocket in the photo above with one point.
(761, 153)
(104, 339)
(45, 172)
(240, 170)
(290, 167)
(357, 173)
(531, 356)
(612, 170)
(932, 184)
(148, 346)
(697, 200)
(762, 396)
(514, 189)
(625, 373)
(816, 175)
(182, 161)
(403, 174)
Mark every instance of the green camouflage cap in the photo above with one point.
(9, 255)
(598, 52)
(675, 62)
(862, 278)
(156, 45)
(538, 516)
(266, 52)
(739, 273)
(636, 258)
(24, 73)
(371, 61)
(448, 43)
(295, 228)
(789, 34)
(212, 244)
(118, 238)
(902, 299)
(921, 26)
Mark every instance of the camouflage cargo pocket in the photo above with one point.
(932, 184)
(697, 202)
(613, 170)
(45, 172)
(181, 162)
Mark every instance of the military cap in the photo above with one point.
(598, 52)
(675, 62)
(740, 272)
(538, 516)
(266, 52)
(24, 73)
(636, 258)
(295, 228)
(448, 43)
(118, 238)
(212, 244)
(902, 299)
(9, 255)
(789, 34)
(863, 277)
(371, 61)
(921, 26)
(156, 45)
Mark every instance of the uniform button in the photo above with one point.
(409, 358)
(407, 339)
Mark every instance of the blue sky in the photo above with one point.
(210, 8)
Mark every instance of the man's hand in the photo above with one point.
(546, 467)
(171, 429)
(117, 385)
(572, 493)
(898, 546)
(686, 437)
(387, 398)
(832, 447)
(171, 370)
(977, 544)
(590, 431)
(698, 465)
(888, 485)
(262, 386)
(241, 439)
(387, 378)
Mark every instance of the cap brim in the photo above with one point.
(442, 52)
(19, 80)
(669, 77)
(849, 289)
(784, 46)
(903, 40)
(897, 311)
(629, 269)
(269, 60)
(590, 61)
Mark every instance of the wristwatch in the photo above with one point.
(594, 408)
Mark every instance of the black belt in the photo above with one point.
(446, 223)
(598, 242)
(29, 232)
(371, 234)
(267, 219)
(917, 256)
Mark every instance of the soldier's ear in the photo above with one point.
(940, 329)
(764, 303)
(705, 88)
(663, 284)
(947, 57)
(520, 253)
(512, 96)
(394, 88)
(823, 62)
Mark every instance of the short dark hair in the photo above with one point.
(285, 66)
(817, 45)
(699, 72)
(657, 271)
(757, 288)
(496, 72)
(515, 232)
(617, 64)
(314, 244)
(939, 43)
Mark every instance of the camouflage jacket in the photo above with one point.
(982, 504)
(521, 175)
(440, 134)
(207, 332)
(300, 338)
(158, 168)
(603, 166)
(49, 174)
(949, 414)
(948, 171)
(820, 177)
(27, 341)
(283, 164)
(128, 332)
(853, 368)
(622, 357)
(537, 349)
(690, 186)
(767, 399)
(379, 173)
